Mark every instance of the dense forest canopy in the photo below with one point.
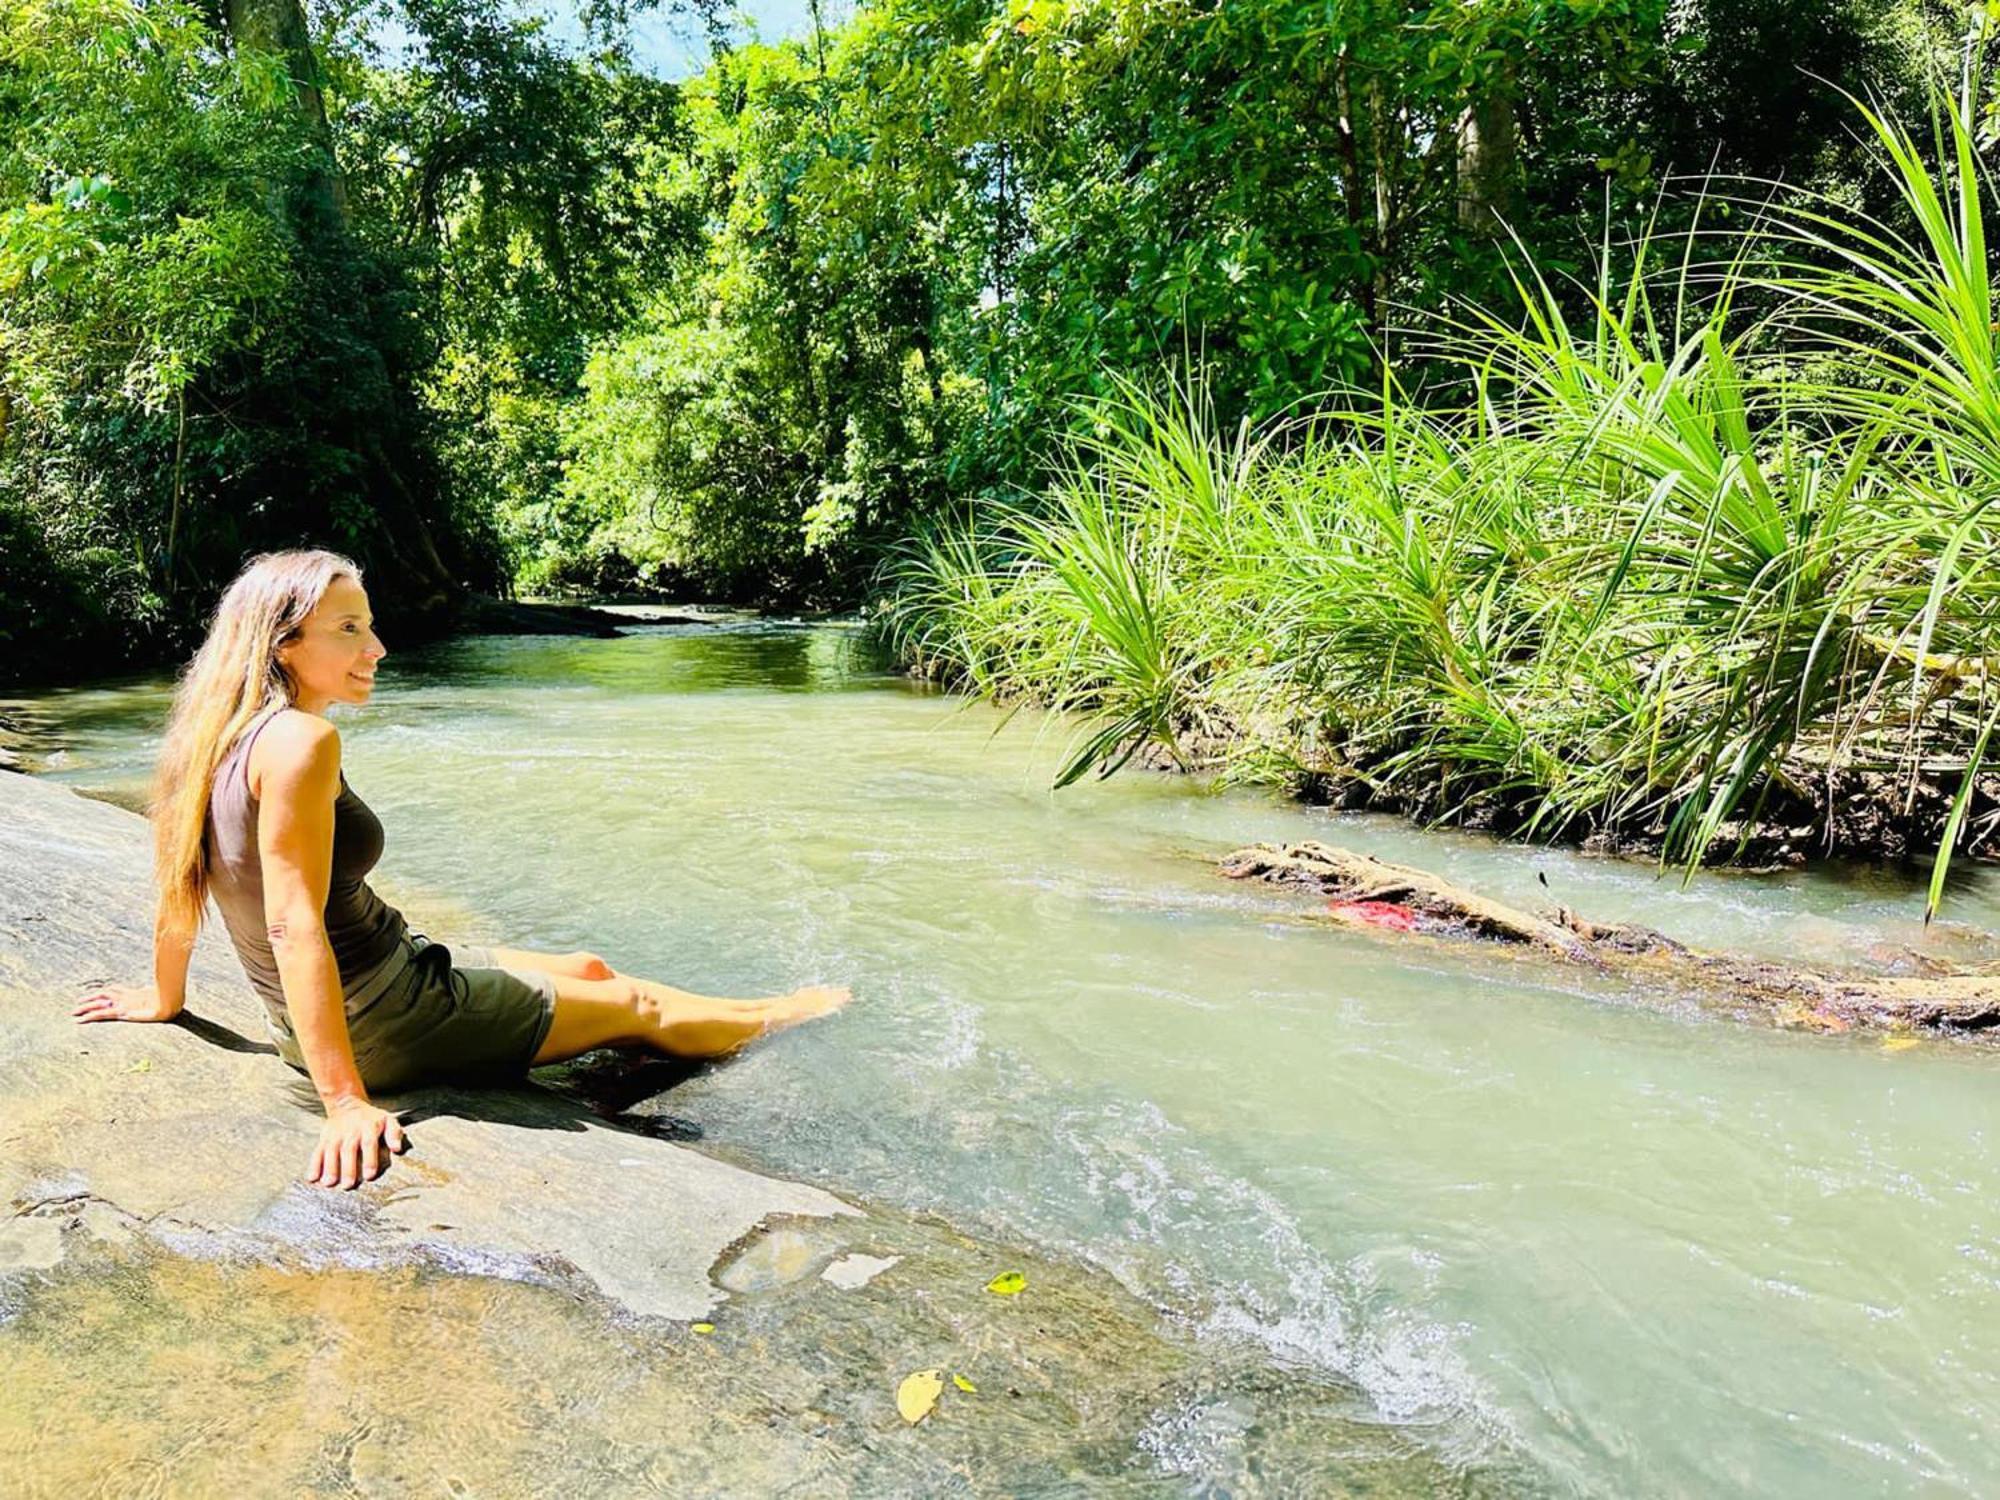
(506, 314)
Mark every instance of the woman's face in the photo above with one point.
(332, 657)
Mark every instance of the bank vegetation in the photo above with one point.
(1697, 554)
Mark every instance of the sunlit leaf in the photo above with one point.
(1007, 1284)
(918, 1394)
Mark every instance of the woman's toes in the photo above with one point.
(818, 999)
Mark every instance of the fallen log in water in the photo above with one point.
(1362, 891)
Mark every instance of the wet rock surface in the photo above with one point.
(539, 1298)
(245, 1377)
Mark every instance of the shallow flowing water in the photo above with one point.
(1597, 1240)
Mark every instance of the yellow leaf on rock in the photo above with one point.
(143, 1065)
(918, 1394)
(1007, 1284)
(1899, 1044)
(964, 1385)
(702, 1327)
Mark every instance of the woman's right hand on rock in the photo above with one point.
(354, 1145)
(124, 1002)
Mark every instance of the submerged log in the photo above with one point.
(1362, 891)
(1354, 881)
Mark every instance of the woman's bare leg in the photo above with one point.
(577, 965)
(627, 1011)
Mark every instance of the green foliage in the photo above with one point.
(139, 250)
(510, 312)
(1635, 579)
(930, 233)
(796, 400)
(524, 193)
(680, 467)
(200, 359)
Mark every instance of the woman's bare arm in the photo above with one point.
(171, 952)
(300, 781)
(162, 1000)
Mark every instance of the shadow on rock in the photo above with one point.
(598, 1089)
(218, 1035)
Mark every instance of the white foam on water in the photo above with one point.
(1237, 1266)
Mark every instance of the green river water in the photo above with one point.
(1586, 1238)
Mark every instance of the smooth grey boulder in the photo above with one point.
(196, 1135)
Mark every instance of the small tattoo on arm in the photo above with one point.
(275, 932)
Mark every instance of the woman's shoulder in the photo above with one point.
(297, 748)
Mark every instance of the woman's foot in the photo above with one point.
(725, 1029)
(806, 1004)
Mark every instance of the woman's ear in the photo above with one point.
(280, 658)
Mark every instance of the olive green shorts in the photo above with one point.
(439, 1018)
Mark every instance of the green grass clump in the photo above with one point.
(1667, 565)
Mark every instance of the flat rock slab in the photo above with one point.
(194, 1132)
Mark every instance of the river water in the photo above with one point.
(1598, 1240)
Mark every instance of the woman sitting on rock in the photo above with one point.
(250, 806)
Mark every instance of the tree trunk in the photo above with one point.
(1354, 189)
(1489, 159)
(280, 26)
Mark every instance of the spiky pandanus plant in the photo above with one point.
(1663, 562)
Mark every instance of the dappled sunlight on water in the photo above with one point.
(1641, 1245)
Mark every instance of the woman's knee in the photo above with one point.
(632, 1001)
(600, 1013)
(590, 966)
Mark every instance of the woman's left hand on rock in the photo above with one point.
(125, 1002)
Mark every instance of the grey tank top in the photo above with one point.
(366, 933)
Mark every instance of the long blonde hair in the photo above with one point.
(233, 680)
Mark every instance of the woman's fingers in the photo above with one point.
(112, 1003)
(355, 1152)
